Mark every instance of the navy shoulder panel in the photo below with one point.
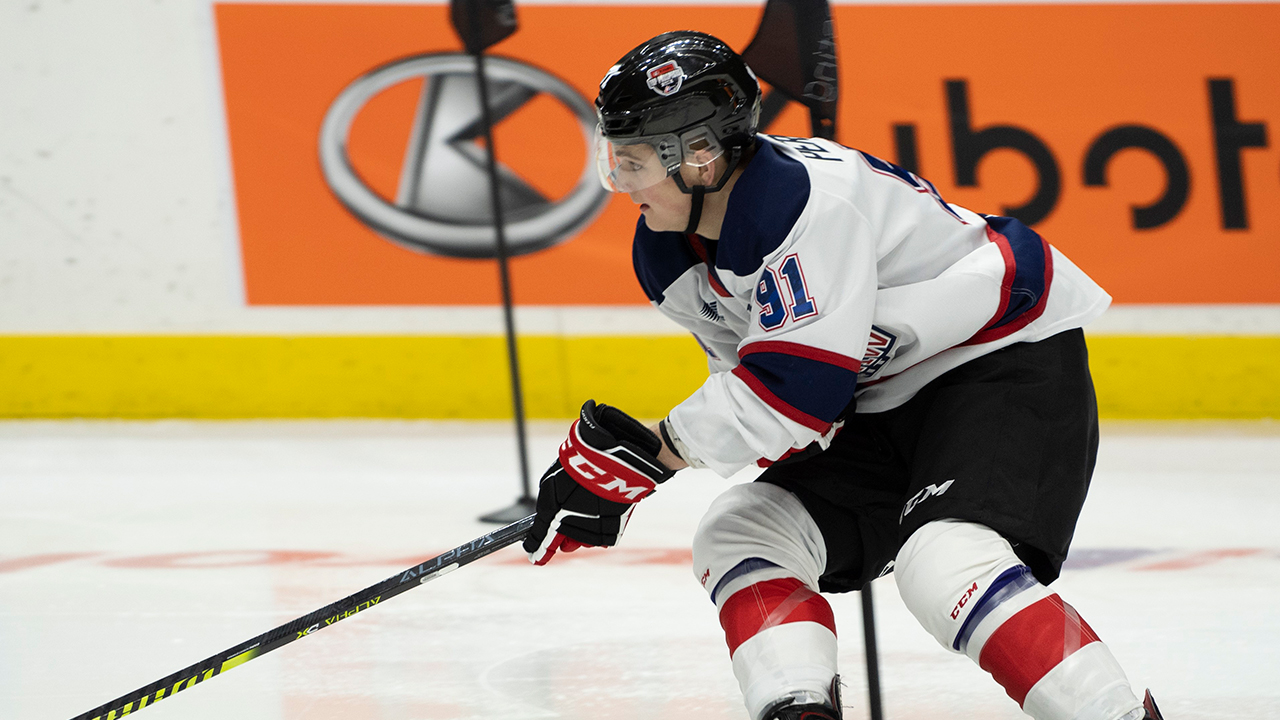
(659, 259)
(1031, 266)
(765, 204)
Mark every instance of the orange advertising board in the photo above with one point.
(1140, 139)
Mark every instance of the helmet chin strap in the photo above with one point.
(695, 212)
(699, 192)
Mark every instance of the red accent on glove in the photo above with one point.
(549, 552)
(602, 473)
(559, 543)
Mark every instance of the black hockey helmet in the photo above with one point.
(687, 96)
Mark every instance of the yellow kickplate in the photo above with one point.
(467, 378)
(347, 376)
(1169, 377)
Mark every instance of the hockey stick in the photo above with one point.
(308, 624)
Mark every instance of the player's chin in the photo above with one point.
(654, 222)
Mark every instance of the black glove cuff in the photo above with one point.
(604, 425)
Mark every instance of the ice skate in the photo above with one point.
(788, 710)
(1149, 706)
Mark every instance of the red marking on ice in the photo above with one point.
(221, 559)
(1200, 559)
(35, 561)
(613, 556)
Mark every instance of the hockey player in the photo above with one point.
(912, 374)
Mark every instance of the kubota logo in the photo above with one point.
(1231, 136)
(443, 204)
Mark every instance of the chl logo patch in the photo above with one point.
(666, 79)
(880, 349)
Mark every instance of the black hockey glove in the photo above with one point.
(608, 464)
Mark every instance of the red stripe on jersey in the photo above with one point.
(1033, 642)
(990, 334)
(700, 250)
(766, 462)
(782, 406)
(1027, 317)
(768, 604)
(810, 353)
(1010, 271)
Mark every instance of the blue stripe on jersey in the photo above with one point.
(765, 204)
(813, 387)
(915, 181)
(659, 258)
(1029, 258)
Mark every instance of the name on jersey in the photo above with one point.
(808, 148)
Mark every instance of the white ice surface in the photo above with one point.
(131, 550)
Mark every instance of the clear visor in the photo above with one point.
(637, 163)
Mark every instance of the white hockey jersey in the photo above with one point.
(839, 275)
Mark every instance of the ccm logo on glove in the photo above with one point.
(608, 464)
(601, 472)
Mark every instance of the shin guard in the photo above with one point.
(966, 586)
(782, 641)
(759, 554)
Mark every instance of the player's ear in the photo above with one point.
(707, 172)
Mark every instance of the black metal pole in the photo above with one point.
(525, 502)
(826, 128)
(873, 655)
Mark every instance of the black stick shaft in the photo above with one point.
(504, 272)
(308, 624)
(873, 655)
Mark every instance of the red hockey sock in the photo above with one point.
(782, 640)
(1033, 642)
(768, 604)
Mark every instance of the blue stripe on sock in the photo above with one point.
(746, 566)
(1010, 583)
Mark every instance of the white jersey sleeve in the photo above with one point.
(840, 276)
(809, 316)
